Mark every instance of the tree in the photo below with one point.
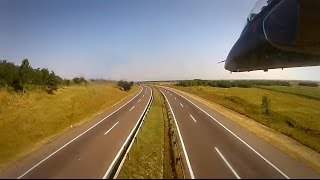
(52, 83)
(8, 73)
(45, 76)
(83, 80)
(17, 86)
(80, 80)
(76, 80)
(121, 83)
(126, 86)
(25, 71)
(266, 104)
(67, 82)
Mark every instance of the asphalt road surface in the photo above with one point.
(216, 147)
(89, 151)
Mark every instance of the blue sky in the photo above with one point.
(130, 39)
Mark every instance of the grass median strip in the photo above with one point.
(149, 157)
(30, 119)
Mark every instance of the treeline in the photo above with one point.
(231, 83)
(77, 80)
(19, 77)
(101, 80)
(308, 83)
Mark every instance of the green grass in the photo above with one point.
(28, 119)
(146, 157)
(293, 115)
(308, 92)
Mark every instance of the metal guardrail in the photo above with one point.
(174, 140)
(125, 152)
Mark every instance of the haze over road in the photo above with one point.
(88, 151)
(217, 147)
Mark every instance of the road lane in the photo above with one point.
(202, 138)
(90, 154)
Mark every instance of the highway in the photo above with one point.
(216, 147)
(87, 151)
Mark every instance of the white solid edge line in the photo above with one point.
(225, 161)
(193, 118)
(131, 108)
(110, 128)
(181, 105)
(76, 137)
(121, 149)
(262, 157)
(182, 143)
(128, 150)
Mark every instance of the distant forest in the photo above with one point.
(20, 77)
(241, 83)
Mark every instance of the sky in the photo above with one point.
(130, 39)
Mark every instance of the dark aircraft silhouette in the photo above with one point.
(278, 34)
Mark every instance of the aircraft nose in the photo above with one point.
(236, 56)
(230, 65)
(227, 65)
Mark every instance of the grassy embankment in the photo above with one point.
(294, 110)
(29, 119)
(149, 156)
